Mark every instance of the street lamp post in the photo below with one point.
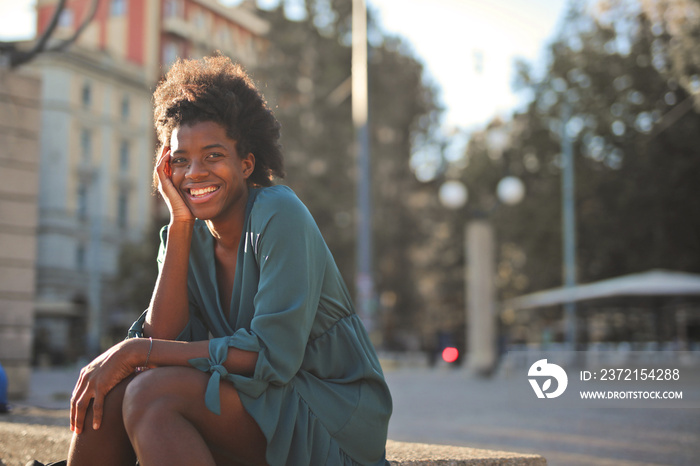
(94, 295)
(481, 296)
(568, 223)
(360, 115)
(480, 299)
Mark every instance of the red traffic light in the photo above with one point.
(450, 354)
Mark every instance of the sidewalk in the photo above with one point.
(37, 427)
(50, 388)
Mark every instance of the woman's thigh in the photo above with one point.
(181, 390)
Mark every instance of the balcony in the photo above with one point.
(178, 27)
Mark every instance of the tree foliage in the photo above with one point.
(635, 168)
(637, 161)
(676, 25)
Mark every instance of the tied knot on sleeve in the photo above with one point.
(219, 369)
(218, 352)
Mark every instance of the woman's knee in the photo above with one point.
(138, 397)
(112, 409)
(151, 392)
(138, 390)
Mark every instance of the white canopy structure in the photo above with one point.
(652, 283)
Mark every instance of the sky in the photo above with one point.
(467, 46)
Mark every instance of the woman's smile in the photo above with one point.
(202, 194)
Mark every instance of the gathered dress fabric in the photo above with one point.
(318, 392)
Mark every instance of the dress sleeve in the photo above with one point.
(291, 255)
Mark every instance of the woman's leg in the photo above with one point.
(109, 445)
(168, 422)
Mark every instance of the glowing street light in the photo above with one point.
(510, 190)
(453, 194)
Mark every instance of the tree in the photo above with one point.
(15, 57)
(636, 157)
(676, 25)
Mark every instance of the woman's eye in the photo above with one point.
(177, 161)
(215, 155)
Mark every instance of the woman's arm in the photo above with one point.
(120, 361)
(179, 353)
(168, 312)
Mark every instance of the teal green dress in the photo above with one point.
(318, 392)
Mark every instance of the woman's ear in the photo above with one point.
(248, 165)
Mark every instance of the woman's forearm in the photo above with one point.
(169, 310)
(177, 353)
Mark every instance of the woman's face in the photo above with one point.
(208, 172)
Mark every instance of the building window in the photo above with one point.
(199, 20)
(118, 8)
(123, 208)
(80, 257)
(173, 9)
(126, 107)
(86, 145)
(65, 20)
(87, 94)
(124, 156)
(170, 54)
(224, 36)
(82, 204)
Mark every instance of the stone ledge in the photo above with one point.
(422, 454)
(22, 440)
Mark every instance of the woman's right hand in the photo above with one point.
(176, 205)
(99, 377)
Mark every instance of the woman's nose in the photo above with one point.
(196, 170)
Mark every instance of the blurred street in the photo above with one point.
(447, 406)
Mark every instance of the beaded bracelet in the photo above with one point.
(148, 356)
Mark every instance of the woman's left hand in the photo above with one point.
(98, 378)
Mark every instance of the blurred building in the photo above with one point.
(97, 147)
(195, 28)
(95, 190)
(19, 165)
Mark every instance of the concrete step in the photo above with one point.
(44, 435)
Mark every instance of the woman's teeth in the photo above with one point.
(199, 192)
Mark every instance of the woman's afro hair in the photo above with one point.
(215, 89)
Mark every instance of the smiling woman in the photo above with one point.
(254, 350)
